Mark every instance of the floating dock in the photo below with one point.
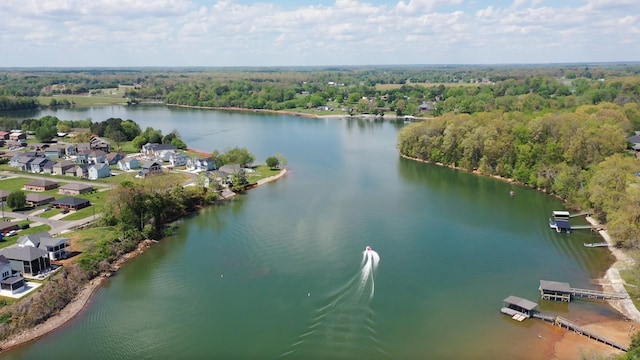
(600, 244)
(521, 309)
(562, 291)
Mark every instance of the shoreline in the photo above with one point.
(611, 282)
(84, 298)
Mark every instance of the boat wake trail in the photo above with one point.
(343, 326)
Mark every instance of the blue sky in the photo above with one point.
(315, 32)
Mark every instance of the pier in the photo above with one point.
(521, 309)
(562, 291)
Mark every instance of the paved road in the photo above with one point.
(61, 178)
(57, 226)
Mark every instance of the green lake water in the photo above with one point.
(282, 272)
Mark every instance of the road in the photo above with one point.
(57, 226)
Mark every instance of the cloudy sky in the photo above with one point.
(315, 32)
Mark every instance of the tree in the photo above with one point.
(17, 200)
(272, 162)
(179, 143)
(46, 134)
(240, 156)
(138, 141)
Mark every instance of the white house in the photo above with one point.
(55, 247)
(178, 159)
(201, 164)
(97, 171)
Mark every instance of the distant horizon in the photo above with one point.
(317, 33)
(582, 63)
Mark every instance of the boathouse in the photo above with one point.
(555, 290)
(560, 221)
(518, 308)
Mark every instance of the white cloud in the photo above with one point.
(225, 32)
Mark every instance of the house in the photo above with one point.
(211, 178)
(26, 260)
(55, 247)
(82, 147)
(21, 162)
(82, 157)
(98, 171)
(4, 194)
(4, 135)
(70, 203)
(62, 166)
(69, 149)
(37, 165)
(54, 152)
(128, 163)
(75, 189)
(634, 141)
(82, 171)
(112, 158)
(160, 152)
(40, 185)
(178, 159)
(425, 106)
(38, 199)
(47, 168)
(149, 168)
(201, 164)
(230, 169)
(17, 136)
(97, 143)
(96, 157)
(9, 281)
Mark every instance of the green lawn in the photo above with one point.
(262, 172)
(10, 240)
(85, 100)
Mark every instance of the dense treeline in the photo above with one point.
(577, 155)
(20, 103)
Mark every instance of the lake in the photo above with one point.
(282, 271)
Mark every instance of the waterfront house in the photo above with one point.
(159, 152)
(38, 199)
(9, 281)
(98, 170)
(75, 189)
(56, 248)
(27, 260)
(178, 159)
(40, 185)
(230, 169)
(70, 203)
(128, 163)
(201, 164)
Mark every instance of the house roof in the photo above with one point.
(64, 163)
(100, 166)
(635, 139)
(555, 286)
(42, 239)
(230, 168)
(4, 260)
(523, 303)
(70, 201)
(76, 186)
(12, 280)
(31, 197)
(41, 182)
(148, 163)
(4, 193)
(26, 253)
(113, 155)
(158, 147)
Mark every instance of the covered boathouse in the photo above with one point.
(555, 290)
(518, 308)
(560, 221)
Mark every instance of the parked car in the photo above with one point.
(11, 233)
(24, 226)
(64, 211)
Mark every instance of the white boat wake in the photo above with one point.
(344, 323)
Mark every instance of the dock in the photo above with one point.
(559, 221)
(562, 291)
(600, 244)
(521, 309)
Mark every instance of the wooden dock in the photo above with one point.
(562, 291)
(521, 309)
(600, 244)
